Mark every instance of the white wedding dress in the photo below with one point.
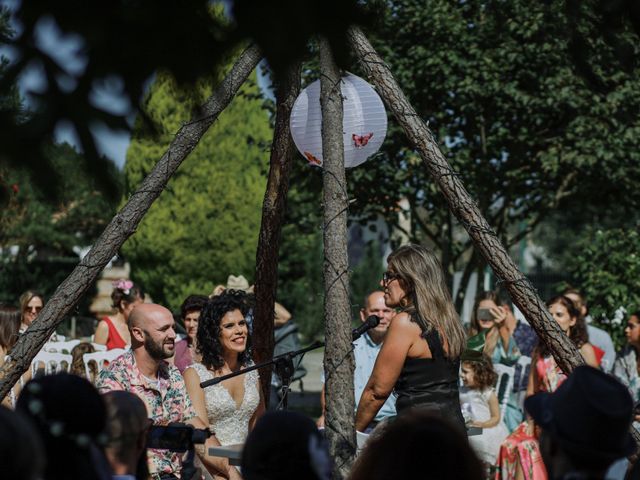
(228, 421)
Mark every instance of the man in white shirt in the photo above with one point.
(365, 350)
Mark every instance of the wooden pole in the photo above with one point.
(273, 208)
(338, 355)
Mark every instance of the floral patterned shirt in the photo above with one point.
(166, 402)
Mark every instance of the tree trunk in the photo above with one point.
(123, 225)
(338, 355)
(273, 209)
(464, 207)
(464, 281)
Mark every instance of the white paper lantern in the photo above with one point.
(364, 122)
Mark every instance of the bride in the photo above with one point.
(230, 408)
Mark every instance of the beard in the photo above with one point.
(156, 350)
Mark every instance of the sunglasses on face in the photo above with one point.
(33, 309)
(388, 277)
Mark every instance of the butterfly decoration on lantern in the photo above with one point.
(364, 122)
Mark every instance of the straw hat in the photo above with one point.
(237, 283)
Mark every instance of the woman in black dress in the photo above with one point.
(420, 357)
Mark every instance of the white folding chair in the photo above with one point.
(52, 362)
(60, 347)
(100, 359)
(504, 385)
(99, 347)
(524, 364)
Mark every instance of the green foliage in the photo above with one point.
(523, 128)
(39, 236)
(300, 280)
(365, 277)
(205, 225)
(606, 267)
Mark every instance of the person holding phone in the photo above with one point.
(488, 318)
(488, 321)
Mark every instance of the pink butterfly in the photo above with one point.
(361, 141)
(312, 160)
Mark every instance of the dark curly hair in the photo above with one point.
(193, 303)
(209, 327)
(484, 375)
(578, 333)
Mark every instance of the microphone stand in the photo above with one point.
(283, 365)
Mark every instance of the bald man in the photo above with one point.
(144, 371)
(365, 351)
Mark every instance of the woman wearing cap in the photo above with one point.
(113, 330)
(230, 408)
(420, 357)
(520, 454)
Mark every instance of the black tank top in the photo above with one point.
(431, 383)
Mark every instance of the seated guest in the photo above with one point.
(229, 408)
(585, 425)
(285, 446)
(127, 424)
(21, 452)
(627, 362)
(519, 454)
(70, 416)
(489, 324)
(418, 445)
(9, 329)
(479, 399)
(144, 371)
(77, 361)
(526, 340)
(31, 302)
(113, 330)
(10, 318)
(599, 338)
(489, 317)
(190, 313)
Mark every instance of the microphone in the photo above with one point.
(368, 324)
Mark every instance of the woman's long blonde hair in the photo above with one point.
(428, 300)
(493, 335)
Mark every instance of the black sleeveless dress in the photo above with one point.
(431, 383)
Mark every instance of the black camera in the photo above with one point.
(177, 437)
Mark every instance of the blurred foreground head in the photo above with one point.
(70, 416)
(21, 450)
(127, 425)
(418, 445)
(285, 446)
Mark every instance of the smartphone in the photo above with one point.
(484, 314)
